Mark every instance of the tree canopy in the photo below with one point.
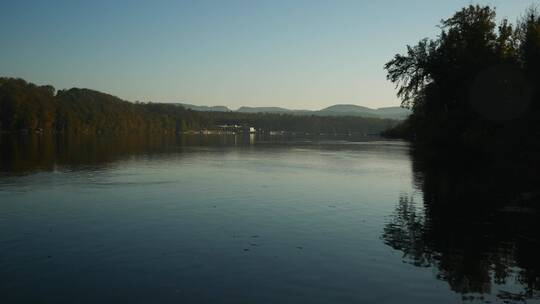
(475, 82)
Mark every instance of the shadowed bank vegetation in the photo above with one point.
(28, 107)
(474, 85)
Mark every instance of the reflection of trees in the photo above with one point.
(32, 153)
(478, 227)
(26, 154)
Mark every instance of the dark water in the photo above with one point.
(249, 220)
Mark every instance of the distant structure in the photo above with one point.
(236, 129)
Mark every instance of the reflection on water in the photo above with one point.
(27, 154)
(476, 225)
(206, 219)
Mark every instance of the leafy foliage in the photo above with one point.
(475, 83)
(25, 105)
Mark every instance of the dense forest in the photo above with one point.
(475, 85)
(26, 107)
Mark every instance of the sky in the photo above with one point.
(289, 53)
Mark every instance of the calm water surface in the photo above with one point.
(247, 220)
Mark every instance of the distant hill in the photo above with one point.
(336, 110)
(204, 108)
(349, 110)
(354, 110)
(396, 113)
(263, 110)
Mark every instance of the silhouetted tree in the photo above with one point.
(474, 85)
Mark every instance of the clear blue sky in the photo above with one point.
(297, 54)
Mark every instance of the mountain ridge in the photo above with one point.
(396, 113)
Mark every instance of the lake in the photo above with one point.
(232, 219)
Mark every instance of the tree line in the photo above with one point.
(28, 107)
(475, 84)
(312, 124)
